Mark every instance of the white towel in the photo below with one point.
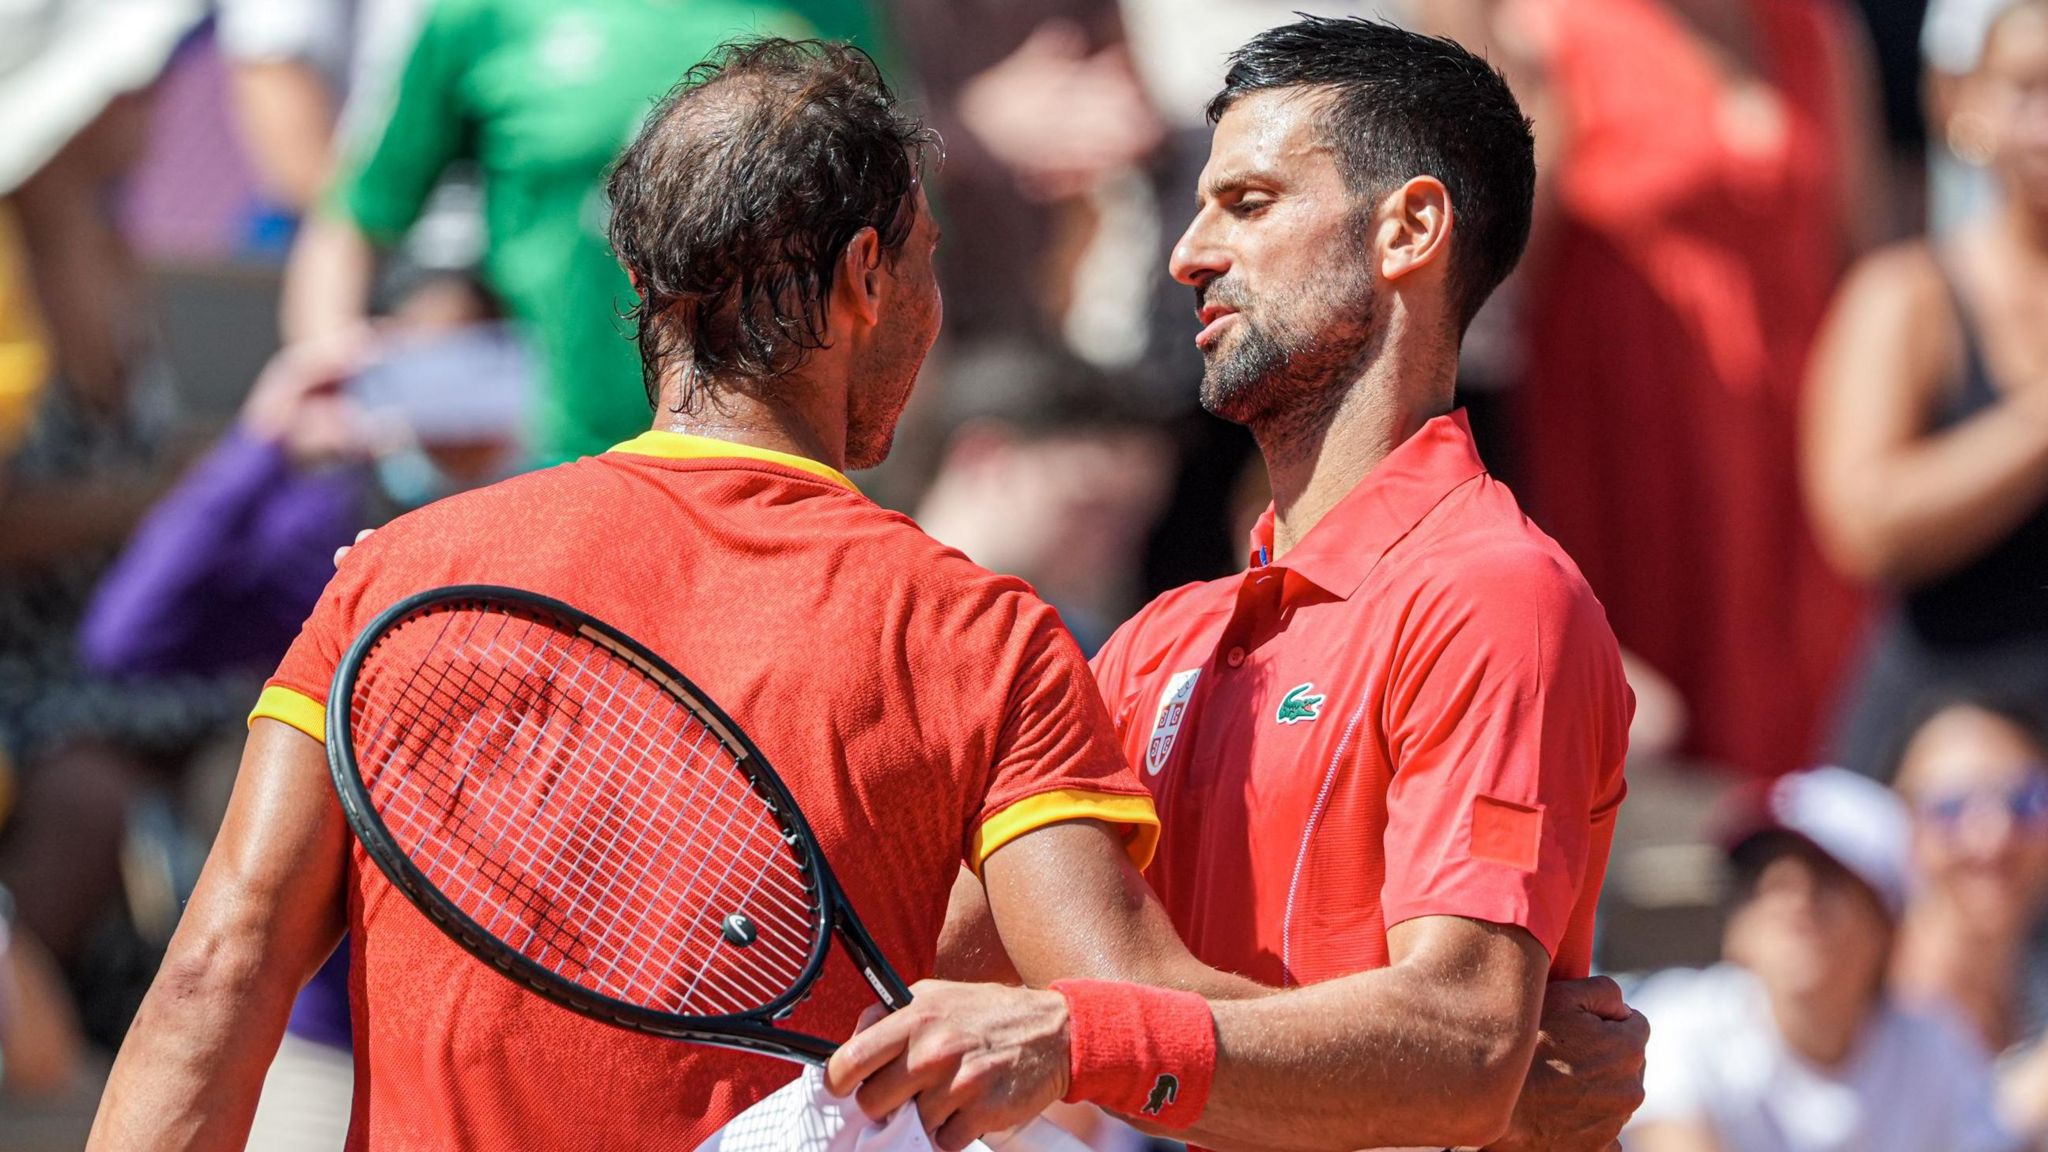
(802, 1116)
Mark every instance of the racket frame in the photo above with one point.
(745, 1032)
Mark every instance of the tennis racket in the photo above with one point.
(574, 812)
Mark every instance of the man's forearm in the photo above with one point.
(1391, 1057)
(192, 1068)
(266, 913)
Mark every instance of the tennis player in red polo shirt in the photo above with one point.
(1398, 736)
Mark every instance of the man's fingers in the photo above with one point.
(342, 552)
(958, 1132)
(865, 1054)
(1597, 995)
(1637, 1027)
(887, 1088)
(938, 1107)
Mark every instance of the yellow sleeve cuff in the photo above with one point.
(297, 709)
(1134, 814)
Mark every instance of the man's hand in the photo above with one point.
(342, 552)
(1587, 1078)
(975, 1057)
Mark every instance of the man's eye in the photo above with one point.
(1251, 206)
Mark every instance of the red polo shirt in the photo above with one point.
(1418, 711)
(921, 710)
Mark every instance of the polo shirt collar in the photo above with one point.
(1392, 499)
(683, 446)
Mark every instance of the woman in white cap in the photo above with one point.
(1795, 1043)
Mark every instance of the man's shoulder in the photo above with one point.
(506, 507)
(1493, 567)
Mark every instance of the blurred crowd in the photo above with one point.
(1774, 372)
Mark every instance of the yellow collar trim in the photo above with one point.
(683, 446)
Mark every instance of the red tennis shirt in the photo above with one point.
(1417, 711)
(922, 711)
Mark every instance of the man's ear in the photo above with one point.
(1415, 227)
(860, 276)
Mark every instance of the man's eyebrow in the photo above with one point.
(1233, 180)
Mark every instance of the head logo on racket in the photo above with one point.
(571, 810)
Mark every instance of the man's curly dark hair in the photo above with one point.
(735, 202)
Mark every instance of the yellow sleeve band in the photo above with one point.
(1134, 814)
(294, 708)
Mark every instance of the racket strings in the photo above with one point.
(575, 861)
(580, 813)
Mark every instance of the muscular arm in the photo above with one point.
(1585, 1083)
(1893, 504)
(1432, 1049)
(267, 912)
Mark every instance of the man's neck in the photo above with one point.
(1314, 467)
(738, 415)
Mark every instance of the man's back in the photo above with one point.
(902, 693)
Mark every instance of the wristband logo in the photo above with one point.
(1165, 1091)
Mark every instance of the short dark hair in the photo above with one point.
(734, 203)
(1404, 105)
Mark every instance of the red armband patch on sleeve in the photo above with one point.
(1504, 832)
(1138, 1050)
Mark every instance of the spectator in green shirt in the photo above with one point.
(539, 95)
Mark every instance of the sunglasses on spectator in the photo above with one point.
(2025, 802)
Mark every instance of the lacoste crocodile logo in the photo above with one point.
(1299, 705)
(1165, 1091)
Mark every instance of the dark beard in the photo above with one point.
(1277, 382)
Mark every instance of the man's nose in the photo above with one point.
(1196, 258)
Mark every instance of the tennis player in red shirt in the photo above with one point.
(924, 713)
(1388, 755)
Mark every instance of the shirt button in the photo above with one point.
(1236, 657)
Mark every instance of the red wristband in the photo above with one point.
(1138, 1050)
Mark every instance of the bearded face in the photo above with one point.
(1285, 349)
(1280, 255)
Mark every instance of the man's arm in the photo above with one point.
(1432, 1049)
(1582, 1087)
(267, 912)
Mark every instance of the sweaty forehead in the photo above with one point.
(1275, 136)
